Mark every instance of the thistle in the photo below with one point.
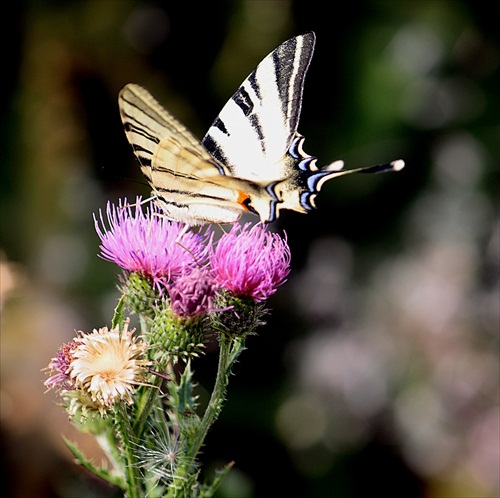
(149, 244)
(250, 262)
(108, 365)
(136, 392)
(97, 370)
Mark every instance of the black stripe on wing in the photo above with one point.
(215, 150)
(281, 57)
(254, 84)
(243, 100)
(141, 137)
(291, 61)
(142, 153)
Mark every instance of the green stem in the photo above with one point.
(148, 399)
(149, 396)
(230, 348)
(133, 485)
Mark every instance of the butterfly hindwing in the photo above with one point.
(147, 123)
(187, 182)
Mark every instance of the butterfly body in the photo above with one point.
(251, 158)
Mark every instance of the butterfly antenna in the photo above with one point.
(397, 165)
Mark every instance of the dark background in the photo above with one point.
(378, 369)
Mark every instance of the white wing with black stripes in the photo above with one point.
(257, 125)
(251, 158)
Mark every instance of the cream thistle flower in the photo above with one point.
(108, 364)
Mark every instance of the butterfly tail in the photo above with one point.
(299, 190)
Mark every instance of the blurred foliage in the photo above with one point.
(378, 370)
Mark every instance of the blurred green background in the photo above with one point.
(377, 372)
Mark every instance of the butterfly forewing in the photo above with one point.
(256, 127)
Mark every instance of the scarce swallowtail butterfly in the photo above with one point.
(251, 158)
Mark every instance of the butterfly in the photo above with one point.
(251, 158)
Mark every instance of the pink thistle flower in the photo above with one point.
(251, 262)
(59, 367)
(191, 293)
(148, 243)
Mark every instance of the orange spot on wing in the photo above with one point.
(243, 198)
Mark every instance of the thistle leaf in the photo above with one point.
(187, 402)
(101, 472)
(119, 316)
(208, 490)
